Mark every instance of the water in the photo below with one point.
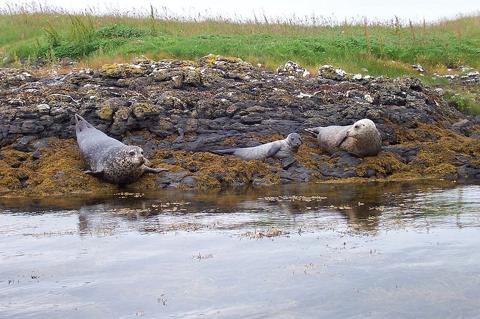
(323, 251)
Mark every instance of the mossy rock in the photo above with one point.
(144, 110)
(121, 70)
(105, 112)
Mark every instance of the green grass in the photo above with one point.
(464, 99)
(383, 49)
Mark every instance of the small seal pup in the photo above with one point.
(361, 138)
(109, 158)
(283, 150)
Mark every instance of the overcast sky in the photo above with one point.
(382, 10)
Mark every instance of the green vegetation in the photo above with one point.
(47, 36)
(465, 99)
(386, 49)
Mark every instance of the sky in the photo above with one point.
(373, 10)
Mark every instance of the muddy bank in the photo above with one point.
(177, 109)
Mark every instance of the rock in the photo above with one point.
(295, 173)
(171, 108)
(143, 111)
(407, 154)
(335, 171)
(418, 68)
(59, 175)
(331, 73)
(36, 155)
(122, 70)
(293, 69)
(43, 108)
(23, 143)
(463, 126)
(250, 120)
(468, 172)
(169, 178)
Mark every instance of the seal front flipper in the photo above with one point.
(313, 131)
(153, 170)
(342, 138)
(94, 173)
(273, 150)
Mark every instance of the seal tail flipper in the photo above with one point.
(230, 151)
(313, 131)
(81, 123)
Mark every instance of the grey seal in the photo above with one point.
(362, 138)
(109, 158)
(283, 150)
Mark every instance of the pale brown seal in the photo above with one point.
(109, 158)
(361, 138)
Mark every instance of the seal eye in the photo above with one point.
(132, 153)
(357, 126)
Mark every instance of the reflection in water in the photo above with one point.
(304, 207)
(392, 250)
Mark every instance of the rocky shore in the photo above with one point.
(177, 109)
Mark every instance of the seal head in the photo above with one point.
(294, 140)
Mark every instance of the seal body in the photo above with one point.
(109, 158)
(361, 138)
(282, 149)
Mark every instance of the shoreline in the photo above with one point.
(176, 110)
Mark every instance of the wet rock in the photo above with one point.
(407, 154)
(329, 170)
(295, 173)
(346, 159)
(468, 172)
(173, 179)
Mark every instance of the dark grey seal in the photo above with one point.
(109, 158)
(362, 138)
(283, 150)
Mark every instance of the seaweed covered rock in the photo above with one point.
(174, 109)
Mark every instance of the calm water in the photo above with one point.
(324, 251)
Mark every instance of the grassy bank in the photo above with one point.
(383, 49)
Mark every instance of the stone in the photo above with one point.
(23, 144)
